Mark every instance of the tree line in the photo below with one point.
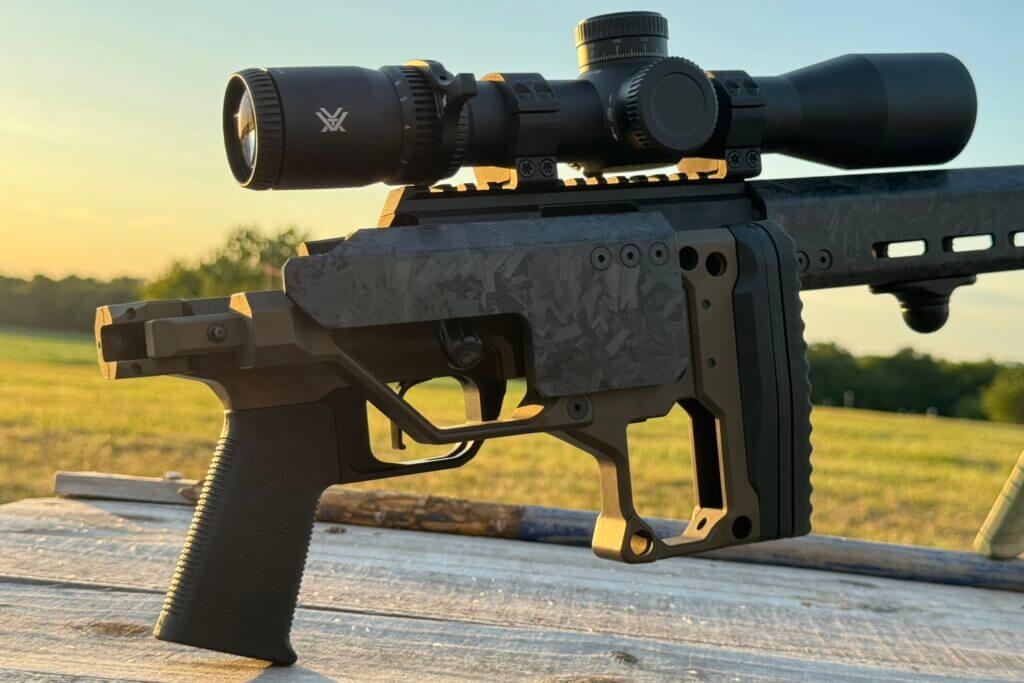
(907, 381)
(913, 382)
(66, 304)
(248, 260)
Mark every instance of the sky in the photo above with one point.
(111, 158)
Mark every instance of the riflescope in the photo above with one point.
(632, 106)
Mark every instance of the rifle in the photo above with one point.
(614, 297)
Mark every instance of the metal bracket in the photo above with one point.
(727, 509)
(737, 140)
(535, 107)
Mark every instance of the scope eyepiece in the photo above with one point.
(253, 130)
(316, 127)
(632, 106)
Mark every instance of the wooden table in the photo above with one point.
(81, 583)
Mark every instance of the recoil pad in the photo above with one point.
(774, 386)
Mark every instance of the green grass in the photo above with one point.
(881, 476)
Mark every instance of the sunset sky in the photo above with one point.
(111, 160)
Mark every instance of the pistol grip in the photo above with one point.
(237, 580)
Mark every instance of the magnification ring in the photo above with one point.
(461, 144)
(421, 134)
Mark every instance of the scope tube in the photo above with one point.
(871, 110)
(493, 131)
(318, 127)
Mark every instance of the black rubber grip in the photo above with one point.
(237, 581)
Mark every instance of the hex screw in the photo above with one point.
(578, 407)
(734, 159)
(601, 258)
(753, 158)
(658, 253)
(216, 333)
(461, 344)
(801, 261)
(824, 259)
(630, 256)
(547, 168)
(526, 168)
(469, 358)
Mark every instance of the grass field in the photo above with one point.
(881, 476)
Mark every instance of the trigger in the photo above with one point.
(483, 396)
(397, 442)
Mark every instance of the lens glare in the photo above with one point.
(245, 129)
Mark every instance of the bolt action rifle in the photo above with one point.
(615, 297)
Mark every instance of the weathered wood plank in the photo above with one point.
(121, 487)
(819, 618)
(575, 527)
(75, 632)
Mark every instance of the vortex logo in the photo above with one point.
(332, 121)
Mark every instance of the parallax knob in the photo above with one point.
(671, 107)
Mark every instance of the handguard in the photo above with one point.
(612, 319)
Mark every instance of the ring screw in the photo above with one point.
(630, 256)
(578, 407)
(526, 168)
(547, 168)
(753, 158)
(824, 259)
(801, 261)
(216, 333)
(658, 253)
(601, 258)
(734, 159)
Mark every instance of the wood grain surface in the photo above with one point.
(575, 527)
(81, 583)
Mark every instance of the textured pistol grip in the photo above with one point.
(237, 580)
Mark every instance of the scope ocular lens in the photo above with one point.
(245, 129)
